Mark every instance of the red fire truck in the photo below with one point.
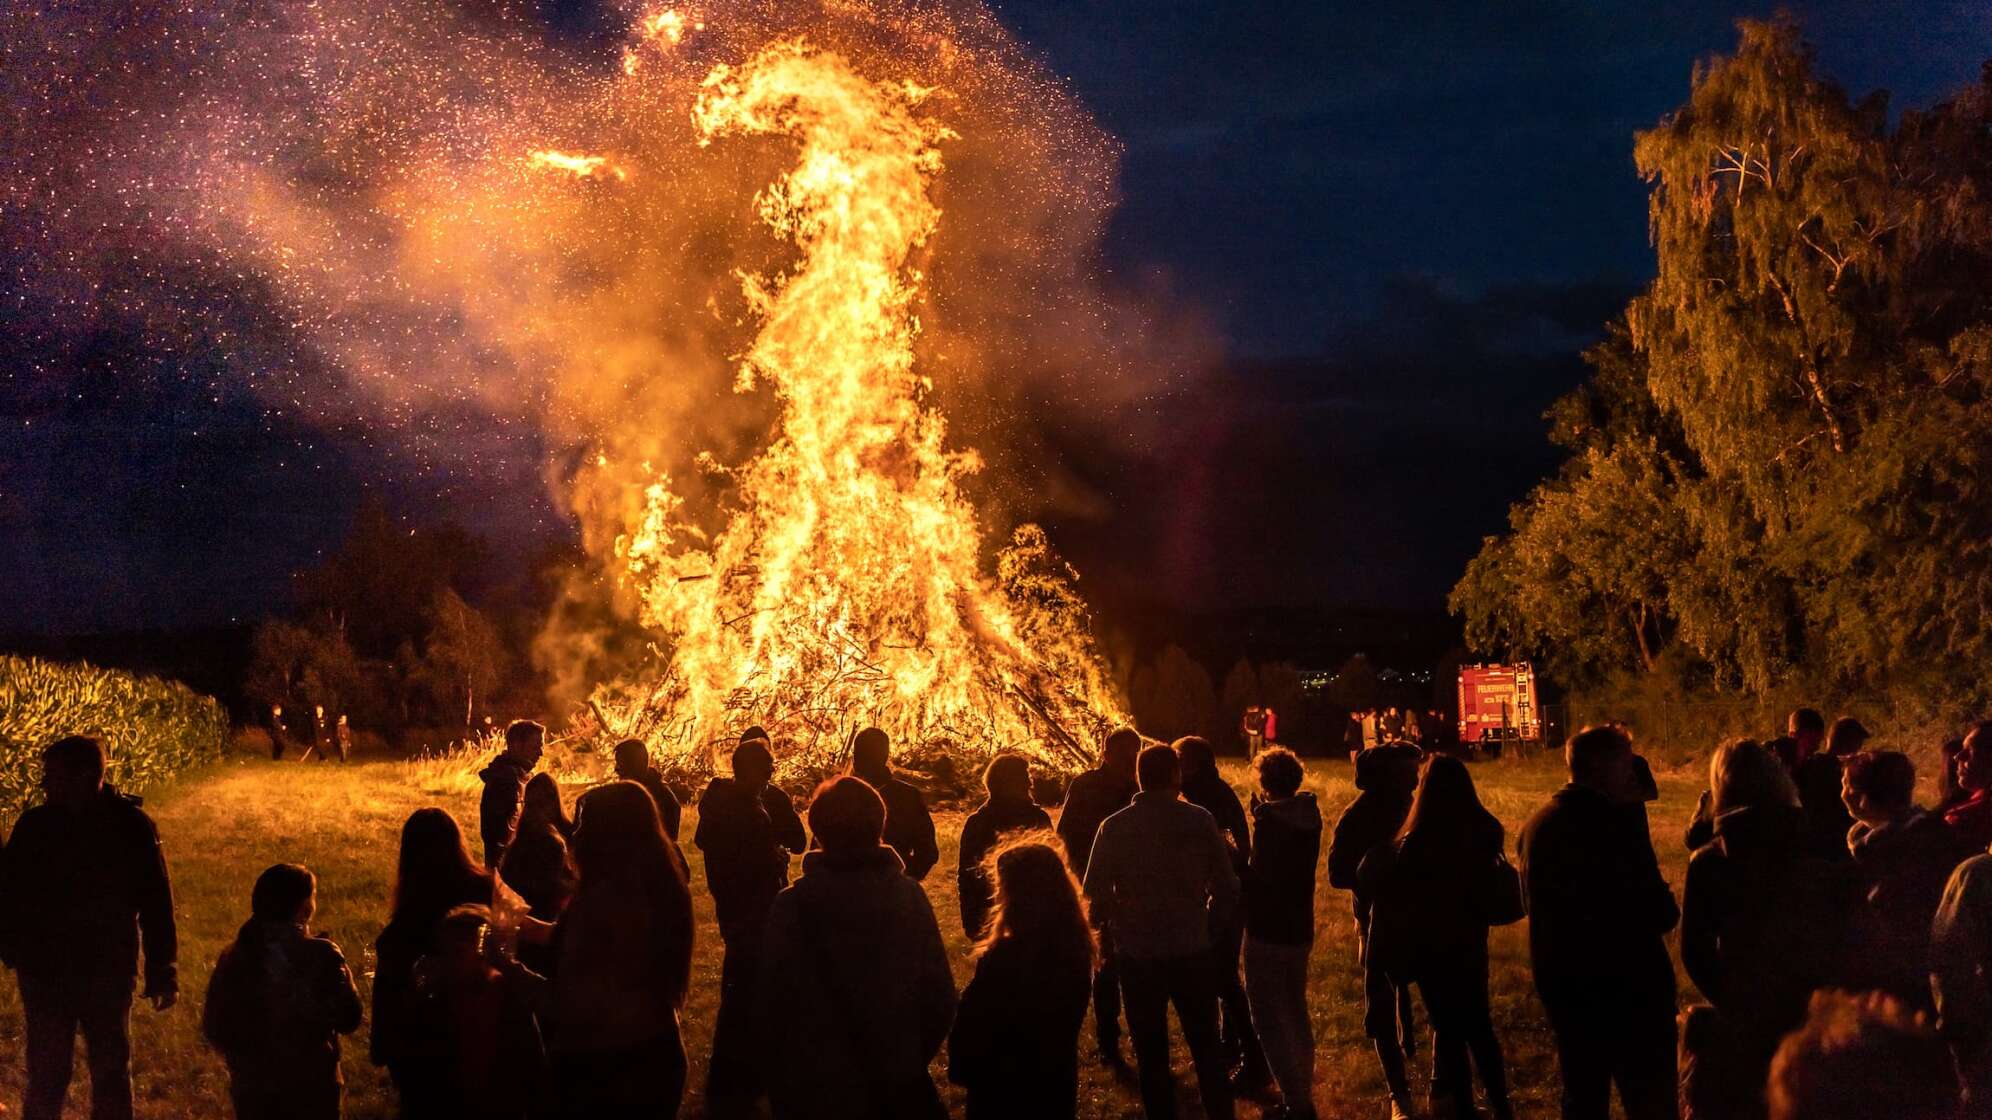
(1497, 706)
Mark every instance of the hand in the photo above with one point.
(163, 1000)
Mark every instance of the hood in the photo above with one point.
(501, 767)
(1760, 828)
(1299, 812)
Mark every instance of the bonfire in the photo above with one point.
(849, 586)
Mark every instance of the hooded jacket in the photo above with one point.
(1599, 909)
(498, 809)
(80, 889)
(746, 839)
(1092, 798)
(909, 827)
(853, 966)
(277, 1002)
(1903, 867)
(1279, 880)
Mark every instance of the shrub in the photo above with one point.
(152, 729)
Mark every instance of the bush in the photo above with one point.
(152, 729)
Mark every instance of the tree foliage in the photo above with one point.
(1781, 466)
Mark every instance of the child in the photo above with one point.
(1279, 923)
(496, 1063)
(277, 1004)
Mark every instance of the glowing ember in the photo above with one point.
(847, 589)
(581, 167)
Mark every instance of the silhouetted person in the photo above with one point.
(855, 984)
(1858, 1057)
(1091, 798)
(1961, 973)
(537, 865)
(1904, 857)
(1015, 1042)
(1763, 925)
(1949, 792)
(434, 874)
(277, 1002)
(84, 883)
(1970, 816)
(1385, 779)
(622, 964)
(1599, 912)
(1160, 879)
(747, 828)
(494, 1058)
(1818, 782)
(1805, 734)
(505, 787)
(633, 765)
(1279, 924)
(1205, 788)
(909, 828)
(1007, 809)
(1426, 928)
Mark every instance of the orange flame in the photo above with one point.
(847, 589)
(581, 167)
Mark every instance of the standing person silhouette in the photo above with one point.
(1091, 798)
(1008, 809)
(909, 828)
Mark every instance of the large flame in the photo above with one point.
(847, 588)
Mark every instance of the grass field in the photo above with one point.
(222, 825)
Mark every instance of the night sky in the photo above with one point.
(1403, 221)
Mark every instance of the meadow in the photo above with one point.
(222, 824)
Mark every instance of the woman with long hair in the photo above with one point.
(622, 963)
(1015, 1043)
(434, 874)
(536, 862)
(1428, 928)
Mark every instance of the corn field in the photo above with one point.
(151, 729)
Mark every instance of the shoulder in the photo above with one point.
(325, 952)
(1972, 873)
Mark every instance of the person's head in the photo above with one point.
(1280, 772)
(1037, 901)
(1195, 757)
(434, 865)
(1863, 1056)
(461, 935)
(1877, 786)
(753, 763)
(72, 771)
(1008, 777)
(285, 892)
(617, 830)
(632, 759)
(1787, 750)
(1845, 736)
(1807, 726)
(1391, 769)
(871, 752)
(1118, 752)
(846, 815)
(541, 802)
(1158, 769)
(525, 741)
(1974, 758)
(1947, 753)
(1743, 775)
(1446, 815)
(1600, 758)
(756, 731)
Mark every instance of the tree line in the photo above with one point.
(1780, 465)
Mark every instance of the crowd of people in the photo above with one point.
(1840, 937)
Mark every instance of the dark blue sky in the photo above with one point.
(1405, 219)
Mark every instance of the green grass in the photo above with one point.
(223, 825)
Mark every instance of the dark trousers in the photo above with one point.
(733, 1081)
(1455, 993)
(1608, 1034)
(1240, 1038)
(1107, 999)
(1191, 984)
(55, 1009)
(645, 1081)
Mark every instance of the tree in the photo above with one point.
(1240, 691)
(304, 667)
(1780, 465)
(463, 660)
(1355, 686)
(1175, 697)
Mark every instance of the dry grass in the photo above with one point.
(224, 824)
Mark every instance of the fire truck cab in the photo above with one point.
(1497, 708)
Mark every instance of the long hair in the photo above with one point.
(541, 804)
(1039, 909)
(619, 839)
(1447, 823)
(1742, 774)
(435, 870)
